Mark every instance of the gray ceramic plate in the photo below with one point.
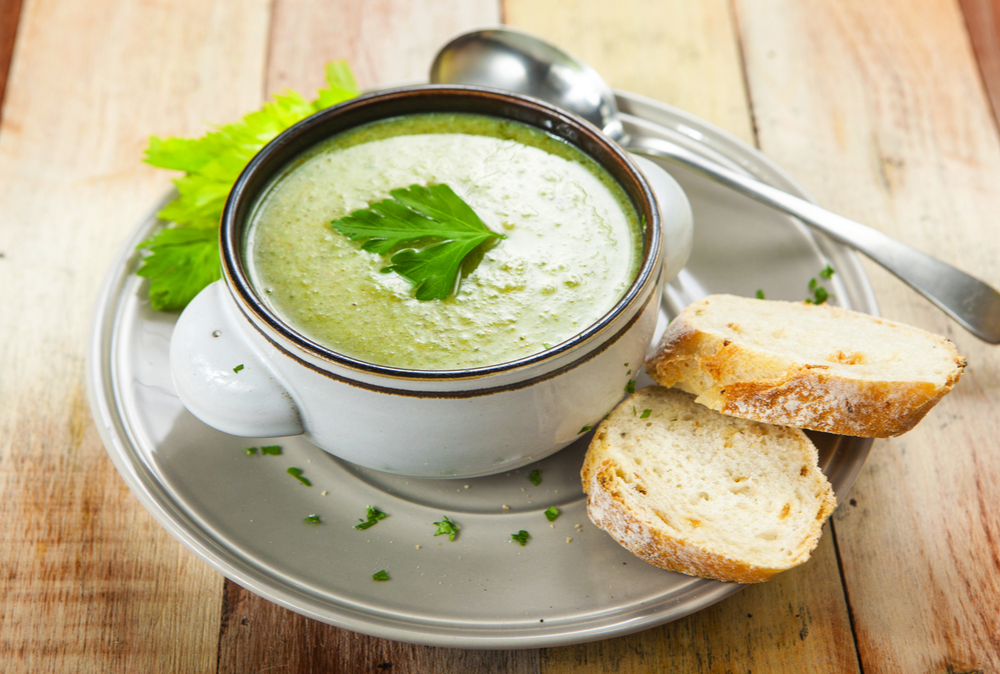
(571, 583)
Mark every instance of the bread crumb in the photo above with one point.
(324, 492)
(506, 507)
(418, 547)
(569, 540)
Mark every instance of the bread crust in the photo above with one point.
(608, 497)
(751, 383)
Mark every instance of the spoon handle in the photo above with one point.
(974, 304)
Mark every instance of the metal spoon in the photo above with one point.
(506, 59)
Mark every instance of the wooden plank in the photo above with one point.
(260, 636)
(687, 54)
(385, 42)
(879, 110)
(91, 582)
(982, 19)
(681, 53)
(10, 12)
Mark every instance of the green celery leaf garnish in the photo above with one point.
(521, 537)
(182, 261)
(414, 214)
(184, 258)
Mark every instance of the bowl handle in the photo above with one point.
(220, 375)
(675, 216)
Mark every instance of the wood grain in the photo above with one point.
(10, 12)
(878, 109)
(91, 582)
(681, 53)
(687, 54)
(982, 20)
(260, 636)
(386, 41)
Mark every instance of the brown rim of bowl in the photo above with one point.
(295, 140)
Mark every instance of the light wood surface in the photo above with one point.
(881, 109)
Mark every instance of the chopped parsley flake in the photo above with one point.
(760, 294)
(446, 527)
(552, 513)
(645, 414)
(584, 430)
(630, 387)
(521, 537)
(274, 450)
(827, 272)
(536, 476)
(297, 474)
(312, 519)
(380, 575)
(238, 368)
(372, 515)
(252, 451)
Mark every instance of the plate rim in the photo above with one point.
(157, 500)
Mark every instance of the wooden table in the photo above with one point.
(881, 109)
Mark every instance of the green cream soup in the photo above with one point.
(572, 248)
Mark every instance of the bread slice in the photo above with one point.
(691, 490)
(810, 366)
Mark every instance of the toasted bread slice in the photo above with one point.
(691, 490)
(810, 366)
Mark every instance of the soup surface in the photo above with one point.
(572, 248)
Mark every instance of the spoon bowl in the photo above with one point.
(507, 59)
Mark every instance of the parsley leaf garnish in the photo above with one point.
(312, 519)
(584, 430)
(760, 294)
(184, 258)
(645, 414)
(373, 515)
(630, 387)
(446, 527)
(297, 474)
(413, 214)
(536, 476)
(252, 451)
(274, 450)
(521, 537)
(552, 513)
(238, 368)
(380, 575)
(827, 272)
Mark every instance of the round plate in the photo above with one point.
(245, 515)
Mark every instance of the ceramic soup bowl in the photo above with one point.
(424, 423)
